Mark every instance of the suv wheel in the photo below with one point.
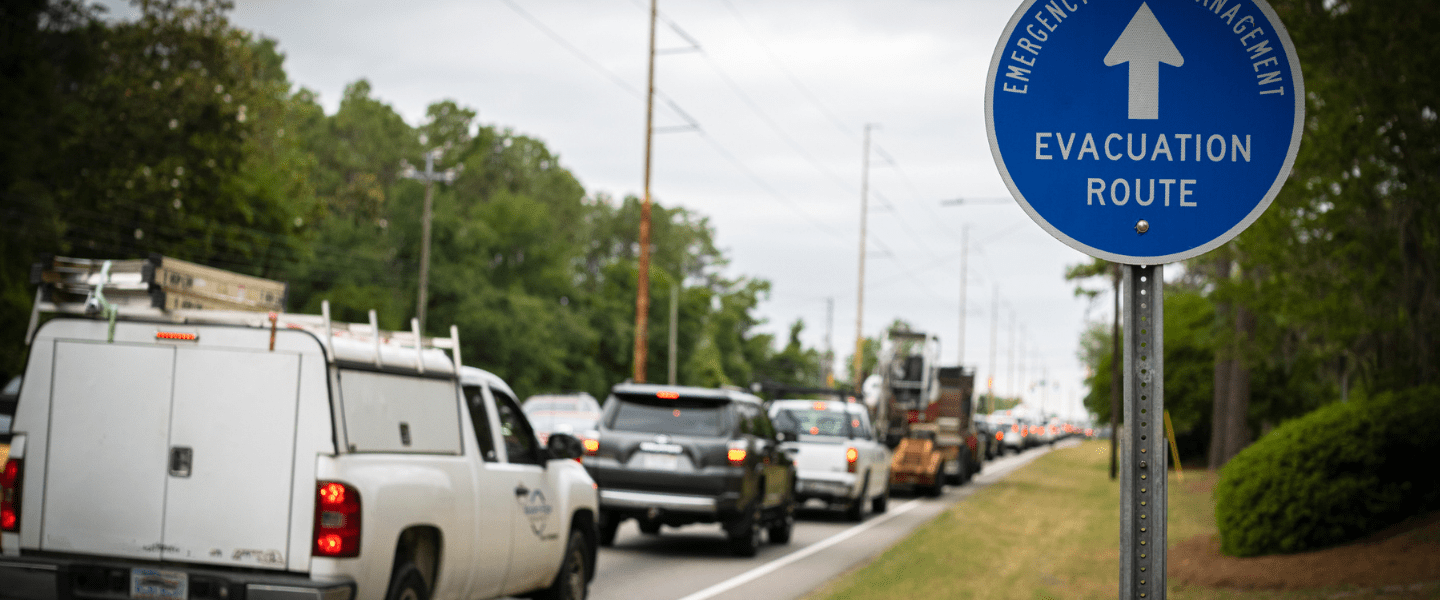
(745, 538)
(780, 531)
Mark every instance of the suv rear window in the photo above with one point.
(672, 417)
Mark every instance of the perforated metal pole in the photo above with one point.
(1142, 459)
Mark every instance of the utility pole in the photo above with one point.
(994, 328)
(1010, 376)
(429, 176)
(826, 371)
(964, 252)
(642, 292)
(674, 323)
(1020, 354)
(859, 359)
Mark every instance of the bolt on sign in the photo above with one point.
(1144, 132)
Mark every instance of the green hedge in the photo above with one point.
(1332, 476)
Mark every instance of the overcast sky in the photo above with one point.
(781, 91)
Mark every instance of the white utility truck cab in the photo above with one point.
(229, 455)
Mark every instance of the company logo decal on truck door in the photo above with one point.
(537, 510)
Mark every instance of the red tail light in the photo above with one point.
(591, 446)
(851, 456)
(1000, 436)
(1015, 428)
(736, 453)
(337, 520)
(10, 496)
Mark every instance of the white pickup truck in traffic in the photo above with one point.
(838, 459)
(217, 455)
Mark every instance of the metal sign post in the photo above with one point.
(1142, 462)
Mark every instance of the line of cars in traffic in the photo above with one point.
(1012, 430)
(676, 455)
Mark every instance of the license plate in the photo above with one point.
(159, 584)
(660, 462)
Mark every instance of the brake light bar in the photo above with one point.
(10, 496)
(667, 395)
(177, 336)
(337, 520)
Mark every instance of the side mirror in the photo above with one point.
(564, 446)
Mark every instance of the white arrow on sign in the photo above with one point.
(1144, 45)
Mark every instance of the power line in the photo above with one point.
(804, 91)
(693, 123)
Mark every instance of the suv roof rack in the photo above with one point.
(166, 290)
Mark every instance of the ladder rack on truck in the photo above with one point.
(166, 290)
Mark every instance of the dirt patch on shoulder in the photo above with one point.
(1406, 554)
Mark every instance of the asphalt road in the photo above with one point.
(693, 562)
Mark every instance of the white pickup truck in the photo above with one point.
(838, 459)
(216, 455)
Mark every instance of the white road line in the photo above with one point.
(777, 564)
(793, 557)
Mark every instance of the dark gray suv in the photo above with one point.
(673, 455)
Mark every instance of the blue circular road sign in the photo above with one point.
(1144, 132)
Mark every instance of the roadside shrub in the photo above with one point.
(1332, 476)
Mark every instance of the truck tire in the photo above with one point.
(856, 510)
(881, 503)
(745, 533)
(934, 490)
(407, 584)
(962, 473)
(609, 524)
(573, 580)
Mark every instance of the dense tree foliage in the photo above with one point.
(179, 134)
(1335, 290)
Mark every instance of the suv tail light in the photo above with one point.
(337, 520)
(10, 496)
(851, 457)
(592, 445)
(736, 453)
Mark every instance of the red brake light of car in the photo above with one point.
(1000, 435)
(1015, 428)
(819, 406)
(851, 456)
(10, 496)
(591, 446)
(668, 395)
(176, 335)
(736, 453)
(337, 520)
